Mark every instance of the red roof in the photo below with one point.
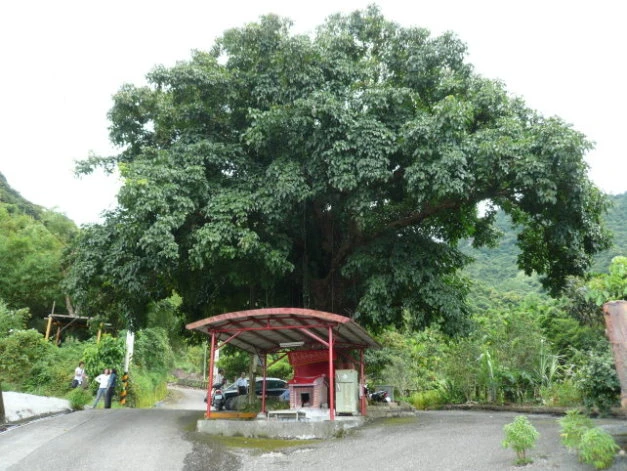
(273, 329)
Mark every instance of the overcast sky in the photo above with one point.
(63, 60)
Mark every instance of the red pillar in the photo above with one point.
(211, 366)
(362, 384)
(331, 377)
(263, 384)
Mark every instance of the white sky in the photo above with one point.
(62, 60)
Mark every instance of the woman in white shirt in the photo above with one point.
(103, 381)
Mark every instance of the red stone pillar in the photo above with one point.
(211, 367)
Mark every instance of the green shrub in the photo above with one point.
(520, 435)
(108, 353)
(572, 427)
(461, 370)
(19, 352)
(598, 448)
(12, 320)
(597, 381)
(78, 398)
(424, 400)
(146, 389)
(564, 394)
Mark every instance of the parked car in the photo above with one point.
(275, 387)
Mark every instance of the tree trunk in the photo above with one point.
(3, 417)
(329, 294)
(69, 306)
(615, 313)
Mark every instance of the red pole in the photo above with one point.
(331, 377)
(263, 385)
(362, 383)
(211, 366)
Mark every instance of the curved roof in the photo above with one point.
(273, 329)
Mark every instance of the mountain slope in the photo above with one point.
(497, 266)
(16, 203)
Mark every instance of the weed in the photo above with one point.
(78, 398)
(598, 448)
(520, 435)
(573, 425)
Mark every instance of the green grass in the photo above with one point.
(261, 444)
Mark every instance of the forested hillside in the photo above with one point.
(32, 241)
(12, 200)
(497, 267)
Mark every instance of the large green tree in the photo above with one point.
(336, 172)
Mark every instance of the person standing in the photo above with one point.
(113, 379)
(79, 375)
(219, 380)
(103, 381)
(242, 384)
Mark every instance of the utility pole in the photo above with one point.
(130, 346)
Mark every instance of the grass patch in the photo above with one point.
(260, 444)
(425, 400)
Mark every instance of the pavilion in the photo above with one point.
(315, 341)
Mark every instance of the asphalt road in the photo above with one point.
(107, 439)
(164, 438)
(433, 441)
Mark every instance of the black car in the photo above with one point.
(274, 388)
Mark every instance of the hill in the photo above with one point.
(32, 242)
(15, 203)
(497, 266)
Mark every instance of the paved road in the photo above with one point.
(433, 441)
(164, 438)
(111, 439)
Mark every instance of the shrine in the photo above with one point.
(326, 352)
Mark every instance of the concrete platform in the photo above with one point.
(301, 424)
(308, 425)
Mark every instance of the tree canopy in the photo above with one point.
(336, 172)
